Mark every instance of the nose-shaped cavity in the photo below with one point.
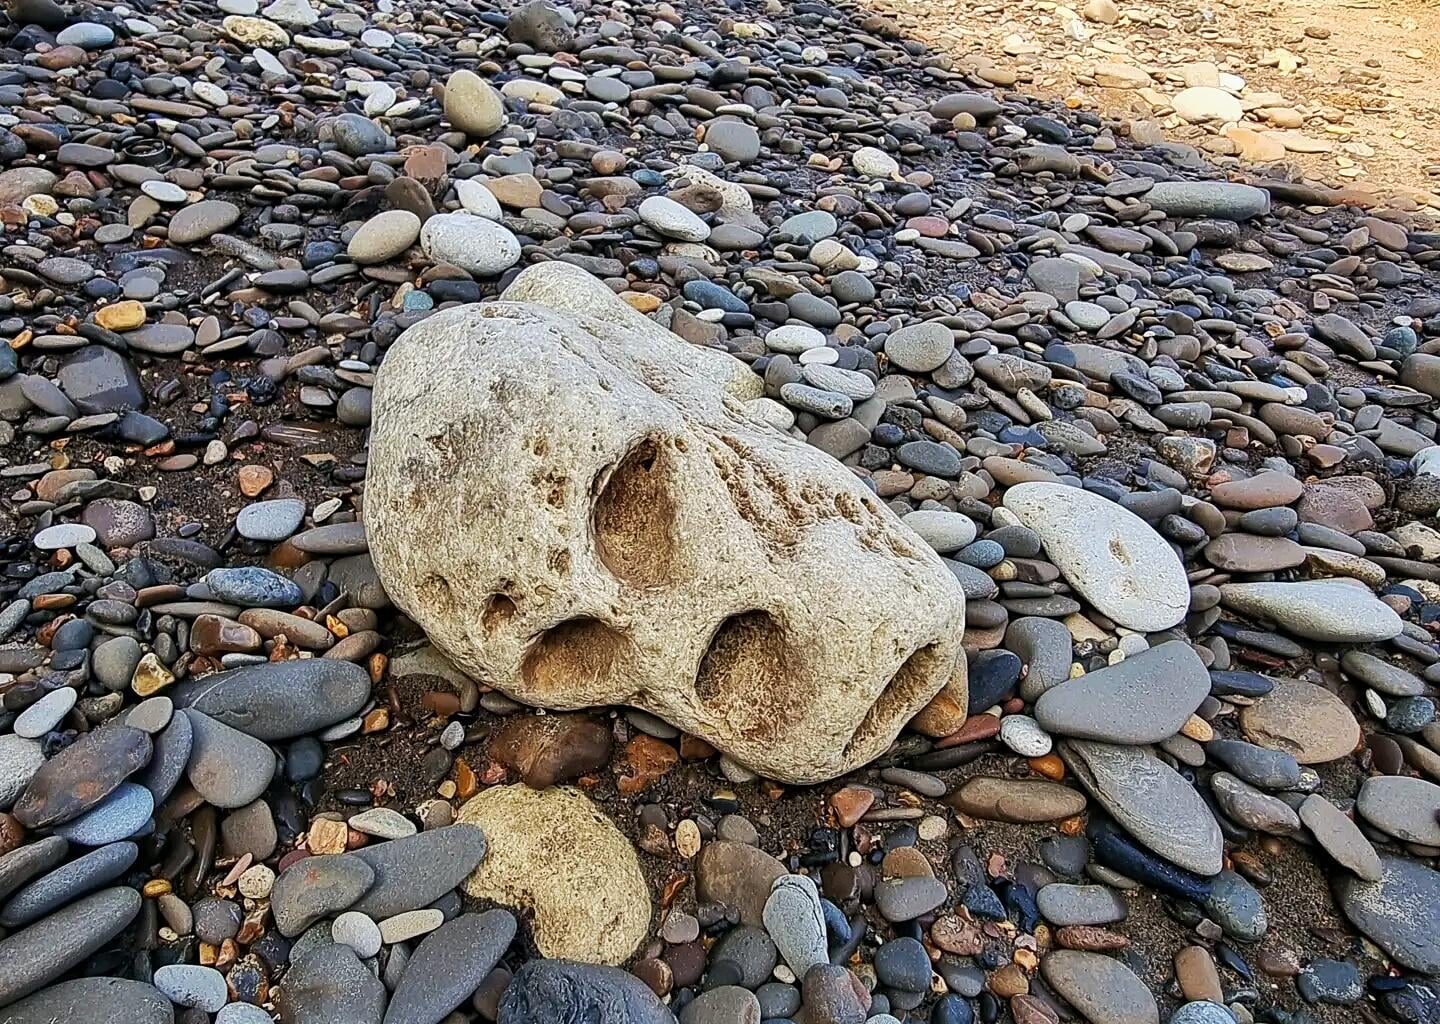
(747, 675)
(582, 658)
(634, 517)
(907, 687)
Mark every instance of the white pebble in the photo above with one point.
(45, 714)
(1023, 734)
(357, 931)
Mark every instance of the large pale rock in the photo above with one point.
(568, 290)
(579, 512)
(1108, 553)
(555, 853)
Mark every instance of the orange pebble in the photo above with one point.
(1049, 766)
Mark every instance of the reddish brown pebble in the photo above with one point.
(956, 935)
(1029, 1010)
(1090, 939)
(851, 803)
(1008, 981)
(656, 974)
(546, 749)
(976, 728)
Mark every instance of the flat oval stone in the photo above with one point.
(192, 985)
(20, 759)
(121, 814)
(270, 521)
(254, 587)
(329, 983)
(1380, 675)
(1404, 807)
(449, 964)
(1340, 837)
(1016, 800)
(45, 714)
(416, 871)
(1107, 553)
(279, 700)
(82, 775)
(1150, 801)
(1397, 913)
(736, 874)
(315, 887)
(1331, 611)
(1064, 904)
(1264, 490)
(1144, 699)
(63, 535)
(67, 883)
(20, 865)
(1259, 766)
(172, 754)
(227, 767)
(1244, 552)
(1103, 989)
(1304, 720)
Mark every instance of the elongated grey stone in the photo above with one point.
(1150, 801)
(48, 948)
(279, 700)
(416, 871)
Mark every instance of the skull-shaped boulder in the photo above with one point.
(579, 511)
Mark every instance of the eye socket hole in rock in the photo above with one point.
(584, 658)
(499, 610)
(749, 655)
(634, 517)
(903, 692)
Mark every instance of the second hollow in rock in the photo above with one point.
(582, 512)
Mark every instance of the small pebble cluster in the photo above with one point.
(1173, 435)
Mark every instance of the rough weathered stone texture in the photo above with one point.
(579, 511)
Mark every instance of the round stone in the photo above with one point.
(793, 339)
(357, 931)
(192, 985)
(384, 236)
(555, 853)
(1109, 554)
(870, 162)
(1304, 720)
(45, 714)
(480, 246)
(472, 105)
(672, 220)
(920, 348)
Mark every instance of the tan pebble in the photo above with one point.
(687, 838)
(150, 677)
(1198, 729)
(121, 316)
(410, 925)
(254, 480)
(327, 836)
(257, 882)
(932, 827)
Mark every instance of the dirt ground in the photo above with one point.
(1344, 92)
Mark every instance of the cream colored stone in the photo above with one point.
(577, 513)
(555, 853)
